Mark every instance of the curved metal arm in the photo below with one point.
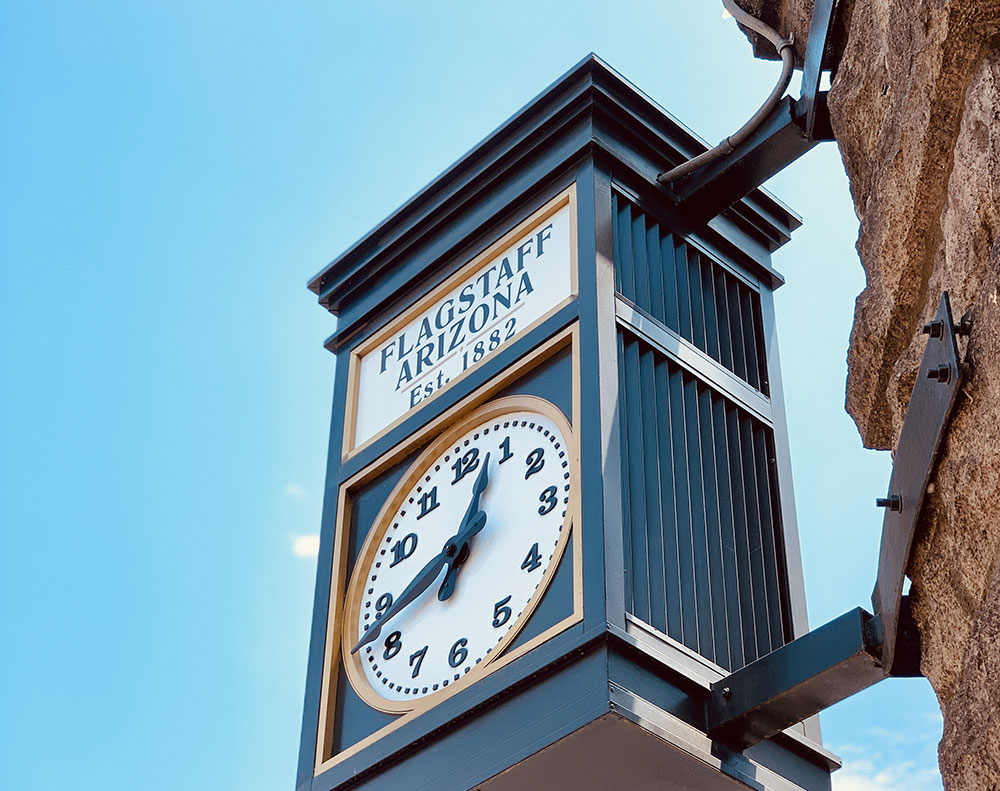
(727, 146)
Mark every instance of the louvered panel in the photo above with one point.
(636, 485)
(704, 551)
(690, 293)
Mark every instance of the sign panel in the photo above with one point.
(511, 287)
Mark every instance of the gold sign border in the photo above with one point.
(325, 759)
(565, 198)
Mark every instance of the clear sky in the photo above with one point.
(171, 174)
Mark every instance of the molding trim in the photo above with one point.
(693, 359)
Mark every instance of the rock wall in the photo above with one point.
(915, 107)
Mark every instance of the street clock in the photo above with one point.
(558, 503)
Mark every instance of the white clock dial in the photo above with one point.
(462, 552)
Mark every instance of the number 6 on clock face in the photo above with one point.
(461, 553)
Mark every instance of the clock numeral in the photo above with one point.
(505, 446)
(548, 500)
(403, 548)
(465, 464)
(477, 353)
(393, 645)
(418, 658)
(501, 612)
(535, 462)
(533, 560)
(428, 502)
(459, 653)
(383, 603)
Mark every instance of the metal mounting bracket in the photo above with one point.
(857, 649)
(820, 26)
(927, 414)
(775, 144)
(788, 132)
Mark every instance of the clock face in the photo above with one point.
(461, 553)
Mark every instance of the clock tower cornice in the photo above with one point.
(592, 111)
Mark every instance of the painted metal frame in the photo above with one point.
(594, 129)
(717, 241)
(340, 590)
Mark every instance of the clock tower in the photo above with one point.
(558, 502)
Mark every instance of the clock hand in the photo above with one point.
(473, 521)
(477, 489)
(420, 583)
(461, 544)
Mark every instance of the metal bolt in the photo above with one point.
(935, 329)
(727, 693)
(941, 373)
(964, 327)
(893, 502)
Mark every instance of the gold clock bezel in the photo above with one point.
(492, 410)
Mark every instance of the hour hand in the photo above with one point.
(457, 548)
(462, 552)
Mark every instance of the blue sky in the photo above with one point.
(171, 174)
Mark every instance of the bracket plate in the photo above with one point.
(934, 393)
(823, 16)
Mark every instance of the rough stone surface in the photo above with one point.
(792, 18)
(915, 106)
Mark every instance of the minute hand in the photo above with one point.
(420, 583)
(482, 480)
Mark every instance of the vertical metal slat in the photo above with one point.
(713, 534)
(748, 630)
(727, 530)
(637, 499)
(697, 299)
(776, 626)
(671, 314)
(627, 261)
(754, 536)
(749, 336)
(685, 546)
(640, 267)
(617, 241)
(710, 308)
(654, 266)
(668, 505)
(651, 470)
(722, 311)
(736, 328)
(758, 323)
(699, 539)
(683, 290)
(626, 475)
